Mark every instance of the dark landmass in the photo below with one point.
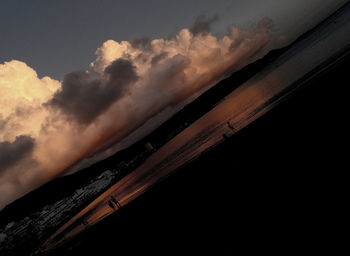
(274, 187)
(30, 220)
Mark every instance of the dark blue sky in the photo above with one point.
(56, 37)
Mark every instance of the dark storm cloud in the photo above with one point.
(11, 153)
(85, 95)
(202, 24)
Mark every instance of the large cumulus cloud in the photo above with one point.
(55, 127)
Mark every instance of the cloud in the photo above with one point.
(202, 24)
(84, 94)
(93, 113)
(11, 153)
(21, 94)
(171, 72)
(143, 43)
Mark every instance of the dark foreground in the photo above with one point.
(275, 186)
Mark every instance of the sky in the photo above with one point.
(56, 37)
(82, 79)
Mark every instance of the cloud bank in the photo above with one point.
(48, 126)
